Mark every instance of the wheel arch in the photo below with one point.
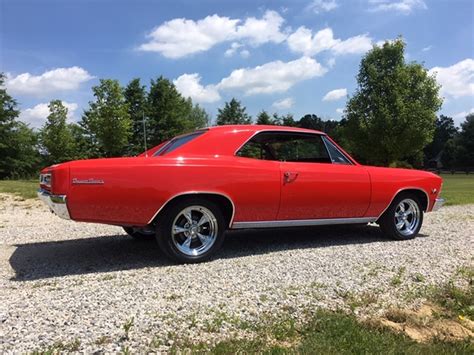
(419, 192)
(219, 198)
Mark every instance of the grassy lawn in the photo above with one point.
(23, 188)
(457, 189)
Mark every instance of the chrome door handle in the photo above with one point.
(290, 176)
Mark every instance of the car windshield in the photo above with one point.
(177, 142)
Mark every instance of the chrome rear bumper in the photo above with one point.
(56, 203)
(439, 202)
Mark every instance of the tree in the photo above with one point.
(107, 123)
(465, 143)
(288, 120)
(263, 118)
(198, 117)
(233, 113)
(135, 97)
(168, 112)
(444, 131)
(18, 154)
(392, 115)
(56, 137)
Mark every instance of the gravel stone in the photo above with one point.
(78, 284)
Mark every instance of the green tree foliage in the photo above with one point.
(168, 112)
(19, 155)
(312, 121)
(465, 143)
(198, 117)
(56, 137)
(263, 118)
(107, 122)
(233, 113)
(288, 120)
(136, 99)
(444, 131)
(392, 115)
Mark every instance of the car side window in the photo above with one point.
(337, 157)
(286, 146)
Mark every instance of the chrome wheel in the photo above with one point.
(194, 230)
(407, 217)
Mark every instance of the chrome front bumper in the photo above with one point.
(439, 202)
(56, 203)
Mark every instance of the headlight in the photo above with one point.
(45, 179)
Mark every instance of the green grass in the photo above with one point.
(23, 188)
(458, 189)
(327, 333)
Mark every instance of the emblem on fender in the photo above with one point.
(90, 181)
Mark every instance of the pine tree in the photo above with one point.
(233, 113)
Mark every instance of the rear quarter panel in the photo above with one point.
(135, 189)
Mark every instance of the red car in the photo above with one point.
(189, 190)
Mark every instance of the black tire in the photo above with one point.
(139, 234)
(169, 242)
(388, 221)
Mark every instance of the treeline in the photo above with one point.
(389, 121)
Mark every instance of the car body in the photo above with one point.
(257, 176)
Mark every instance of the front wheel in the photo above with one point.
(403, 218)
(191, 230)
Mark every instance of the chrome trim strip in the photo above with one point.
(197, 193)
(439, 202)
(302, 222)
(403, 189)
(56, 203)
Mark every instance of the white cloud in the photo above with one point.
(335, 95)
(181, 37)
(459, 117)
(426, 49)
(189, 86)
(36, 116)
(303, 41)
(402, 6)
(319, 6)
(272, 77)
(233, 48)
(284, 104)
(56, 80)
(244, 53)
(456, 80)
(340, 110)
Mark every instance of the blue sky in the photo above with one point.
(282, 56)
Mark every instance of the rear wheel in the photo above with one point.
(191, 230)
(140, 234)
(404, 217)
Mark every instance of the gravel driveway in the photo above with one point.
(75, 283)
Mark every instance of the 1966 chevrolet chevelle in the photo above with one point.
(189, 190)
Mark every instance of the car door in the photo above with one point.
(317, 185)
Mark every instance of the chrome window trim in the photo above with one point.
(404, 189)
(326, 142)
(302, 222)
(272, 130)
(197, 192)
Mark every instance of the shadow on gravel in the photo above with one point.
(119, 252)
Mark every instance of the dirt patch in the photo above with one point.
(426, 323)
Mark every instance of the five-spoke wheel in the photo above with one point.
(191, 230)
(403, 218)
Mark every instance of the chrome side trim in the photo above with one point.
(403, 189)
(302, 222)
(56, 203)
(439, 202)
(197, 193)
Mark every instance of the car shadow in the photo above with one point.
(35, 261)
